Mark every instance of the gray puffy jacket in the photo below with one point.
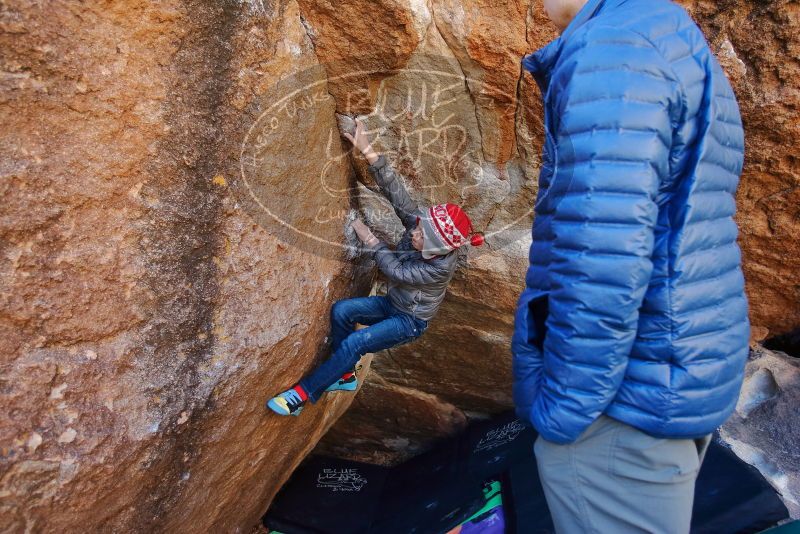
(416, 285)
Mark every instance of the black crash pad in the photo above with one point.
(439, 490)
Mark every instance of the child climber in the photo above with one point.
(419, 270)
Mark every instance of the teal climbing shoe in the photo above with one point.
(345, 384)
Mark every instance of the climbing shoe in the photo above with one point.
(290, 402)
(348, 382)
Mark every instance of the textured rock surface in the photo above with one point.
(363, 433)
(460, 123)
(149, 303)
(763, 430)
(145, 315)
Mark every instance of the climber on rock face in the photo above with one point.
(419, 270)
(632, 333)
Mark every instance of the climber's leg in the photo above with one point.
(346, 313)
(395, 330)
(344, 316)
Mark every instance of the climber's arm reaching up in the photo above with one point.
(386, 177)
(391, 185)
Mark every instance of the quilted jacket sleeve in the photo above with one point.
(391, 185)
(616, 100)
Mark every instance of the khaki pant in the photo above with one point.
(616, 479)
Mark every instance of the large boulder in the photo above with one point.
(460, 123)
(148, 309)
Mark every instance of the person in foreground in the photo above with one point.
(419, 271)
(631, 335)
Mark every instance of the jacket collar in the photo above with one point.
(540, 63)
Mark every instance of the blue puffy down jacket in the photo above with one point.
(635, 303)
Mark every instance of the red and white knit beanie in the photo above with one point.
(445, 227)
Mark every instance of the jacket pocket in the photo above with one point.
(526, 348)
(537, 319)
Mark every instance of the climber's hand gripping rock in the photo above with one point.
(364, 233)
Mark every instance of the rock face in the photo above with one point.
(146, 314)
(174, 187)
(460, 122)
(763, 430)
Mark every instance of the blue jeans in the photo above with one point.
(387, 327)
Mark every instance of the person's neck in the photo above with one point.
(570, 10)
